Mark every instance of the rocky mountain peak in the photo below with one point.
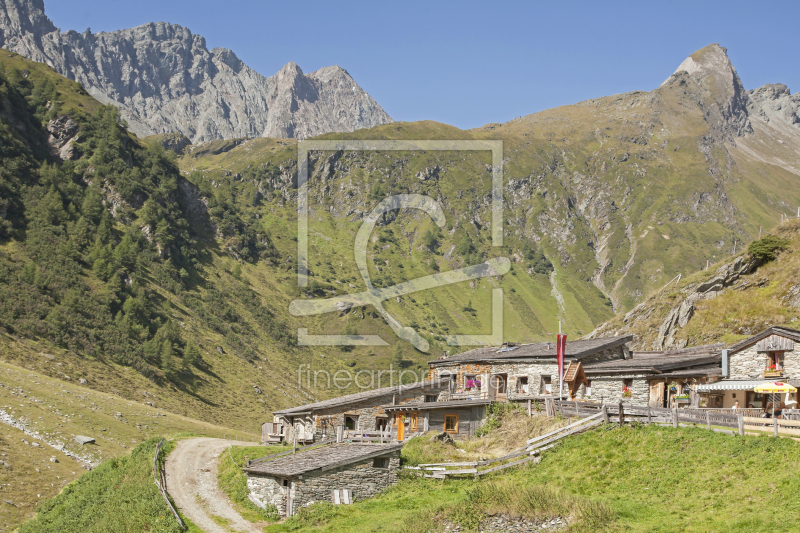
(21, 17)
(164, 79)
(713, 71)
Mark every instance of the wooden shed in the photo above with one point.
(459, 418)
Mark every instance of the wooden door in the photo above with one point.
(657, 394)
(492, 387)
(401, 428)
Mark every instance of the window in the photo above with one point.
(627, 383)
(351, 422)
(500, 381)
(429, 398)
(285, 482)
(774, 361)
(380, 462)
(523, 384)
(547, 385)
(381, 422)
(472, 382)
(451, 423)
(412, 425)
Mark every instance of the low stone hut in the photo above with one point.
(297, 480)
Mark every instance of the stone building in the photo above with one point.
(520, 372)
(658, 378)
(297, 480)
(771, 355)
(362, 411)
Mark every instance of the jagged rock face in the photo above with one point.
(774, 102)
(164, 79)
(712, 69)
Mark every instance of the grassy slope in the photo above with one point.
(652, 479)
(755, 302)
(30, 477)
(59, 410)
(117, 496)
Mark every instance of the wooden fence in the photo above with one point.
(525, 454)
(712, 419)
(161, 482)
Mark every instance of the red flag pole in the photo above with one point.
(561, 344)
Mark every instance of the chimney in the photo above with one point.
(724, 363)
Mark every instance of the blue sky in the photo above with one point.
(470, 63)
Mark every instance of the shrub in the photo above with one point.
(767, 248)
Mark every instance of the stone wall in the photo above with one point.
(533, 371)
(750, 364)
(363, 479)
(268, 490)
(609, 390)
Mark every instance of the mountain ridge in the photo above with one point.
(164, 79)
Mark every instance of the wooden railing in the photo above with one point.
(530, 452)
(161, 482)
(712, 419)
(381, 437)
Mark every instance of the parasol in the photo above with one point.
(774, 387)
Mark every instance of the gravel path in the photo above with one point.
(192, 482)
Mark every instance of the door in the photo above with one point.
(401, 429)
(492, 387)
(657, 394)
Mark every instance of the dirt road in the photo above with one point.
(192, 483)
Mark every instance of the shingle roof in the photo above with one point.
(777, 330)
(321, 458)
(575, 350)
(701, 371)
(425, 406)
(359, 396)
(659, 362)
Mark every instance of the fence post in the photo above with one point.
(529, 408)
(775, 425)
(674, 417)
(708, 420)
(621, 414)
(339, 433)
(576, 409)
(740, 420)
(649, 415)
(605, 413)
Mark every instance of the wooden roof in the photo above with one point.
(774, 330)
(659, 362)
(427, 406)
(358, 397)
(575, 350)
(321, 458)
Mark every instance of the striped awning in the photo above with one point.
(730, 385)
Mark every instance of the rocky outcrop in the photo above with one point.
(679, 316)
(164, 79)
(62, 132)
(774, 102)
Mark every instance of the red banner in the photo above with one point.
(561, 348)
